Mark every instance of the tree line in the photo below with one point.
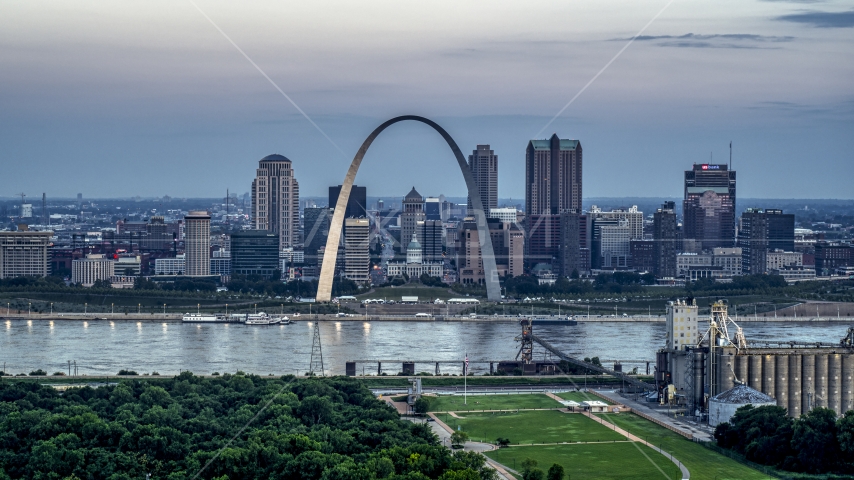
(817, 442)
(331, 429)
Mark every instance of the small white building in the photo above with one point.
(595, 406)
(723, 405)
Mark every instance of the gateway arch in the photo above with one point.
(327, 271)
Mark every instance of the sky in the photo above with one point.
(183, 97)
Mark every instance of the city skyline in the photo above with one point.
(166, 105)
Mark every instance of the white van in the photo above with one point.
(423, 315)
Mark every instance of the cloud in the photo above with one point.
(699, 39)
(842, 108)
(821, 19)
(718, 40)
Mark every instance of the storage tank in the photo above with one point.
(741, 368)
(820, 397)
(755, 372)
(781, 382)
(699, 381)
(834, 379)
(726, 369)
(808, 382)
(768, 375)
(795, 385)
(723, 405)
(847, 382)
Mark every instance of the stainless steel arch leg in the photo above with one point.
(327, 271)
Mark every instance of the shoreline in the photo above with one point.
(177, 318)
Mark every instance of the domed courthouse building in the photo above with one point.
(414, 265)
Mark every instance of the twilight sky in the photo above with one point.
(116, 99)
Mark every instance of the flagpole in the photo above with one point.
(465, 380)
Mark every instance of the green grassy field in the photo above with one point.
(550, 426)
(422, 292)
(454, 403)
(703, 463)
(605, 461)
(580, 397)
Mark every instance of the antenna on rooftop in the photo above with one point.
(730, 154)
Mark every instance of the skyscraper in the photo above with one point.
(760, 232)
(665, 237)
(254, 252)
(357, 259)
(553, 170)
(552, 176)
(197, 243)
(432, 236)
(355, 203)
(483, 164)
(413, 212)
(709, 206)
(275, 199)
(315, 231)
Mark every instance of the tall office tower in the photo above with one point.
(315, 231)
(24, 254)
(79, 201)
(570, 244)
(433, 208)
(781, 230)
(356, 204)
(275, 199)
(483, 164)
(255, 252)
(763, 231)
(197, 243)
(708, 209)
(553, 170)
(632, 216)
(432, 235)
(552, 176)
(357, 257)
(666, 237)
(544, 240)
(611, 242)
(413, 212)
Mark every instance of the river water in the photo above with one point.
(102, 347)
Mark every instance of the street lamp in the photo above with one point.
(226, 309)
(112, 310)
(29, 308)
(198, 308)
(51, 308)
(138, 308)
(164, 309)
